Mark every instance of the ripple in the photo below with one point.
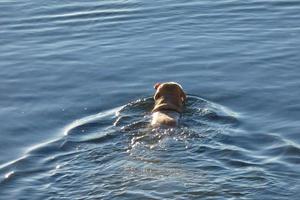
(286, 151)
(90, 122)
(107, 156)
(9, 174)
(72, 14)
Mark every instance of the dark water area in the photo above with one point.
(76, 80)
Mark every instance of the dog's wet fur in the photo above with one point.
(169, 101)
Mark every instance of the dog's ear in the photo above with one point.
(157, 85)
(183, 97)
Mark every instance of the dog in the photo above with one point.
(169, 101)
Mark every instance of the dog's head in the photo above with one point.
(170, 88)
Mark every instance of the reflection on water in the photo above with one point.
(208, 156)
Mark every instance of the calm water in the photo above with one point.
(76, 84)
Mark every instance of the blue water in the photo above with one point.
(76, 81)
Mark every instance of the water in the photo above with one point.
(76, 84)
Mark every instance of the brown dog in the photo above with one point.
(169, 99)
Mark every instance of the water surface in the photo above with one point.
(76, 83)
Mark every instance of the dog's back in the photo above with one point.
(165, 117)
